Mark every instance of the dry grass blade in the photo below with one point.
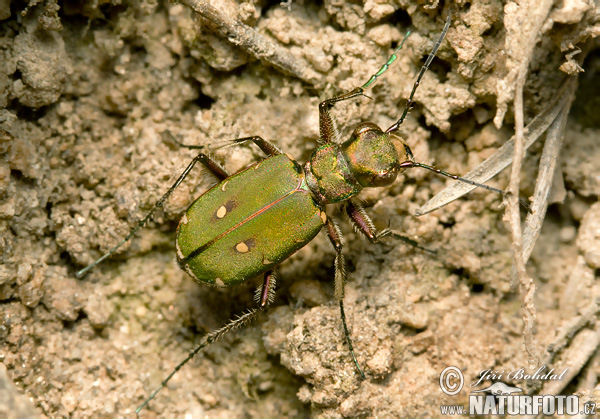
(504, 155)
(552, 146)
(582, 348)
(573, 326)
(550, 154)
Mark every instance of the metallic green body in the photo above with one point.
(373, 155)
(370, 158)
(248, 223)
(329, 177)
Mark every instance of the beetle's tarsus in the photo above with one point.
(387, 65)
(349, 341)
(336, 238)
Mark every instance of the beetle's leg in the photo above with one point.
(269, 291)
(267, 147)
(335, 236)
(209, 163)
(327, 124)
(214, 167)
(364, 224)
(337, 240)
(265, 293)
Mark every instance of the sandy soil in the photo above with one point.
(86, 95)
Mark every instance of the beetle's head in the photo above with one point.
(373, 155)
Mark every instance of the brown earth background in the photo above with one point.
(87, 92)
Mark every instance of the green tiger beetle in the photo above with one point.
(235, 232)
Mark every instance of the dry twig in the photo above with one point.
(524, 26)
(252, 42)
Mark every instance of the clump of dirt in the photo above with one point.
(89, 98)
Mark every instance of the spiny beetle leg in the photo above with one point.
(335, 236)
(265, 292)
(268, 286)
(337, 240)
(361, 220)
(364, 224)
(389, 62)
(347, 333)
(209, 163)
(168, 135)
(214, 167)
(267, 147)
(327, 124)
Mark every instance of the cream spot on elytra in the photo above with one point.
(242, 247)
(221, 211)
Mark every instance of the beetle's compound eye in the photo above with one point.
(400, 147)
(371, 155)
(384, 179)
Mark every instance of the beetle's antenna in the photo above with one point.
(387, 65)
(409, 103)
(411, 163)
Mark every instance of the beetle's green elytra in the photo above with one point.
(248, 224)
(253, 220)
